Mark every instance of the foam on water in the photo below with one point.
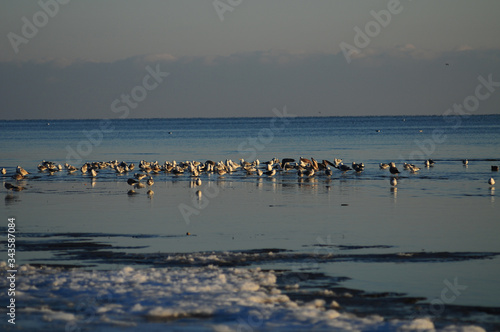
(221, 299)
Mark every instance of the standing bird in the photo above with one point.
(429, 163)
(328, 172)
(271, 173)
(393, 169)
(414, 168)
(132, 181)
(344, 168)
(286, 161)
(491, 181)
(358, 167)
(139, 176)
(383, 166)
(22, 171)
(3, 171)
(150, 181)
(465, 162)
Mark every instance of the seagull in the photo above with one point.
(150, 192)
(72, 169)
(93, 172)
(429, 162)
(150, 181)
(3, 171)
(198, 182)
(414, 168)
(271, 173)
(314, 164)
(139, 176)
(132, 181)
(465, 162)
(491, 182)
(327, 162)
(306, 161)
(22, 171)
(393, 169)
(286, 161)
(344, 168)
(383, 166)
(10, 186)
(358, 167)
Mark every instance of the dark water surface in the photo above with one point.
(351, 238)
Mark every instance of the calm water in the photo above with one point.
(350, 233)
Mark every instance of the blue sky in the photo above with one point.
(245, 57)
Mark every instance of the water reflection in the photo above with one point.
(11, 199)
(394, 194)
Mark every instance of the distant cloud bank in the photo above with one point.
(404, 80)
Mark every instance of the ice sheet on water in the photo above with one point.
(211, 297)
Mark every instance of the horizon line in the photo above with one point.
(242, 117)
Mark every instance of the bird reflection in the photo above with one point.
(11, 199)
(394, 192)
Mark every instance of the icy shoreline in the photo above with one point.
(204, 298)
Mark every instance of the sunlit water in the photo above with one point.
(356, 231)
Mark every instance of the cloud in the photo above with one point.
(158, 57)
(404, 80)
(464, 48)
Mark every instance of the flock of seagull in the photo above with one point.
(303, 167)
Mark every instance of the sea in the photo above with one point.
(243, 252)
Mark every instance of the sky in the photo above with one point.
(63, 59)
